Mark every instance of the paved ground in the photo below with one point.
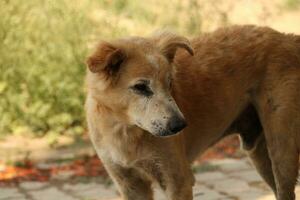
(222, 180)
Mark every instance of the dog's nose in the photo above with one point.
(176, 124)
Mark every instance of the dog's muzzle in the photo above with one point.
(174, 125)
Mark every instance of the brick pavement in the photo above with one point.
(228, 179)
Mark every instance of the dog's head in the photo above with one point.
(132, 78)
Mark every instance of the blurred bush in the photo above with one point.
(43, 45)
(292, 4)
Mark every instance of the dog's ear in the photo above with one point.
(107, 58)
(168, 44)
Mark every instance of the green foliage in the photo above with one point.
(292, 4)
(43, 45)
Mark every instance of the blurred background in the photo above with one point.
(43, 45)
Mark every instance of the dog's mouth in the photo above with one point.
(166, 133)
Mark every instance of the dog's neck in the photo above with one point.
(107, 131)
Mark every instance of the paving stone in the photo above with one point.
(98, 194)
(252, 193)
(14, 198)
(231, 165)
(267, 197)
(92, 191)
(50, 194)
(201, 193)
(63, 175)
(249, 176)
(231, 186)
(46, 165)
(10, 193)
(210, 176)
(33, 185)
(235, 181)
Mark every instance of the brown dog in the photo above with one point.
(242, 79)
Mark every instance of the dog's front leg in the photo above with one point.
(179, 189)
(179, 182)
(131, 184)
(180, 192)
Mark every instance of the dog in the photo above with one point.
(156, 103)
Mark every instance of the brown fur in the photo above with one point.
(241, 78)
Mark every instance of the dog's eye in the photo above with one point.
(142, 89)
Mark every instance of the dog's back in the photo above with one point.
(220, 78)
(232, 69)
